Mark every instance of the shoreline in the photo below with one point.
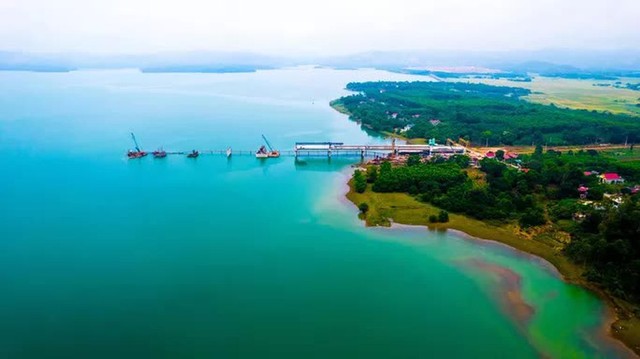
(617, 316)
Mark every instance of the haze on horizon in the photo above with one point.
(329, 27)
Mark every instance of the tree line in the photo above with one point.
(480, 113)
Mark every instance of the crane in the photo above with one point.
(262, 152)
(135, 142)
(268, 144)
(138, 153)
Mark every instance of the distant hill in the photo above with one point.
(558, 63)
(609, 64)
(196, 61)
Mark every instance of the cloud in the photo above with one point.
(328, 26)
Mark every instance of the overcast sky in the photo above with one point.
(325, 26)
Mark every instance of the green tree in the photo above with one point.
(487, 135)
(372, 174)
(443, 216)
(413, 160)
(532, 217)
(359, 181)
(363, 207)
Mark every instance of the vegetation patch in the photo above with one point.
(552, 199)
(480, 113)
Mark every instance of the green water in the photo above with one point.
(101, 256)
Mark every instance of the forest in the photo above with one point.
(482, 114)
(606, 239)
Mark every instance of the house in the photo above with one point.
(510, 155)
(434, 122)
(579, 216)
(490, 154)
(611, 178)
(591, 173)
(406, 128)
(631, 190)
(584, 191)
(615, 198)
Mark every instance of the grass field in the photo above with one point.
(402, 208)
(624, 155)
(576, 94)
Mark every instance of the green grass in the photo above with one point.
(385, 208)
(624, 155)
(339, 107)
(576, 94)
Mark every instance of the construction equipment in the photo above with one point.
(159, 153)
(138, 153)
(464, 142)
(193, 154)
(262, 152)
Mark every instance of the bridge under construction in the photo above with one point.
(332, 148)
(328, 149)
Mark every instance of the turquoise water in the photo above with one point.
(101, 256)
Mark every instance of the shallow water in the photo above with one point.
(101, 256)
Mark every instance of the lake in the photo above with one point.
(101, 256)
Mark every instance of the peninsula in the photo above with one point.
(578, 209)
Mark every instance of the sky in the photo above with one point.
(327, 27)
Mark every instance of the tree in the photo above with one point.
(532, 217)
(359, 181)
(460, 160)
(443, 217)
(372, 174)
(537, 154)
(500, 155)
(385, 167)
(363, 207)
(433, 218)
(486, 135)
(413, 160)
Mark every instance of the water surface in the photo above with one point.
(101, 256)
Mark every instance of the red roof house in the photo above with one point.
(611, 177)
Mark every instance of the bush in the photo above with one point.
(443, 217)
(372, 174)
(413, 160)
(532, 217)
(433, 218)
(359, 181)
(564, 209)
(363, 207)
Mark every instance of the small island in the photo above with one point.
(578, 207)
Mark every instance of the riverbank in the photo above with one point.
(387, 208)
(336, 105)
